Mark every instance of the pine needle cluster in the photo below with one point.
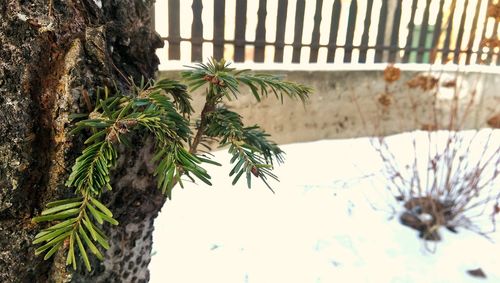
(164, 109)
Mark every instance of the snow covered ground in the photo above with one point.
(324, 224)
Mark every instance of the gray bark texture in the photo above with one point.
(54, 55)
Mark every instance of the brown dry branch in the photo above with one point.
(490, 42)
(494, 11)
(385, 99)
(424, 82)
(450, 83)
(391, 74)
(430, 127)
(494, 121)
(452, 177)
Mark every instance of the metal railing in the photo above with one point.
(340, 31)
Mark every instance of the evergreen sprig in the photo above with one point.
(173, 162)
(77, 220)
(263, 84)
(223, 81)
(258, 139)
(90, 174)
(77, 217)
(252, 152)
(178, 91)
(163, 109)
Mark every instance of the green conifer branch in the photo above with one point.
(178, 91)
(77, 217)
(173, 162)
(162, 108)
(224, 81)
(76, 220)
(252, 152)
(262, 84)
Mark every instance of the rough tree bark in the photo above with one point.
(54, 55)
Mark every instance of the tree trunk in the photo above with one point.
(54, 56)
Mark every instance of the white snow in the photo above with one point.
(324, 224)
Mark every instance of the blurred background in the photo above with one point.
(328, 31)
(395, 70)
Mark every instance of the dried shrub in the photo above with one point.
(490, 42)
(443, 186)
(494, 121)
(385, 99)
(429, 127)
(450, 83)
(494, 11)
(391, 74)
(426, 215)
(450, 178)
(424, 82)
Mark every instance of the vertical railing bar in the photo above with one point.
(472, 37)
(423, 32)
(449, 29)
(174, 30)
(498, 59)
(494, 36)
(379, 53)
(491, 49)
(366, 33)
(437, 32)
(409, 37)
(458, 42)
(313, 57)
(299, 24)
(498, 55)
(197, 32)
(260, 33)
(280, 31)
(219, 19)
(483, 35)
(351, 24)
(334, 29)
(239, 30)
(152, 21)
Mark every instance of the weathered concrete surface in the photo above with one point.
(333, 113)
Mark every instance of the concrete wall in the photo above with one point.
(345, 103)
